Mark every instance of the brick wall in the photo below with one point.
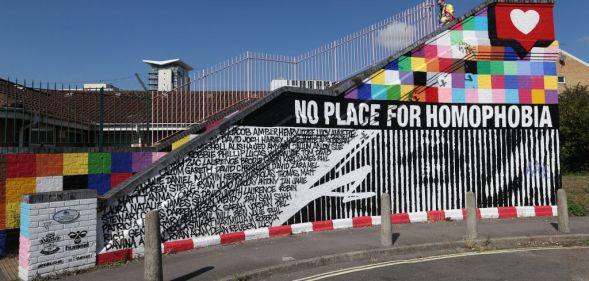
(57, 234)
(574, 71)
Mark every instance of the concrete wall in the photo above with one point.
(300, 159)
(58, 233)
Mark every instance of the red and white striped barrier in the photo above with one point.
(358, 222)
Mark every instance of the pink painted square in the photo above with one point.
(444, 95)
(498, 82)
(472, 96)
(498, 96)
(525, 96)
(157, 155)
(444, 51)
(430, 51)
(23, 251)
(538, 82)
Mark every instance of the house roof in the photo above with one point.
(169, 62)
(575, 58)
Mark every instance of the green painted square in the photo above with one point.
(99, 163)
(469, 24)
(405, 64)
(394, 92)
(497, 68)
(484, 67)
(457, 37)
(510, 67)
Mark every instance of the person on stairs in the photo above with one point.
(446, 12)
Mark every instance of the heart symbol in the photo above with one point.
(525, 21)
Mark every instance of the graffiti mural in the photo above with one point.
(474, 108)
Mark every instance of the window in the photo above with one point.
(562, 79)
(42, 136)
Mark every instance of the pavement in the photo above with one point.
(281, 257)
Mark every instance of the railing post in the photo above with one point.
(101, 125)
(153, 270)
(386, 228)
(563, 211)
(471, 218)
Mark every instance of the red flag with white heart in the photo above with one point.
(529, 25)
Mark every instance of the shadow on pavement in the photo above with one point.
(194, 274)
(555, 225)
(396, 237)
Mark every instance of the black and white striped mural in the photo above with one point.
(257, 175)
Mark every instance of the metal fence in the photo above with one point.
(42, 115)
(251, 75)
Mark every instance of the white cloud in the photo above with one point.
(396, 36)
(584, 40)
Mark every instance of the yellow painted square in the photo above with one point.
(16, 187)
(485, 82)
(180, 143)
(12, 218)
(378, 78)
(418, 64)
(406, 91)
(551, 82)
(538, 97)
(75, 164)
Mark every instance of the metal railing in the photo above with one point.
(43, 115)
(250, 75)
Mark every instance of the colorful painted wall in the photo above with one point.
(473, 108)
(30, 173)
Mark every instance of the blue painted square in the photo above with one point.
(122, 162)
(458, 95)
(550, 69)
(2, 243)
(471, 81)
(24, 219)
(99, 182)
(511, 96)
(511, 82)
(481, 23)
(364, 93)
(379, 92)
(537, 68)
(510, 54)
(394, 65)
(406, 78)
(524, 68)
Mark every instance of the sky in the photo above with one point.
(75, 42)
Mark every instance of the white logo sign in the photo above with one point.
(525, 22)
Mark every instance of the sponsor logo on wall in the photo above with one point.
(48, 242)
(66, 216)
(77, 237)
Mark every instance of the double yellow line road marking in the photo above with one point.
(427, 259)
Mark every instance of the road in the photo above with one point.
(519, 264)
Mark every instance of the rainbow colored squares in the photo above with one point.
(461, 66)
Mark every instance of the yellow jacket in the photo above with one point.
(447, 14)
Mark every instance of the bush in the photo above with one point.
(577, 210)
(574, 129)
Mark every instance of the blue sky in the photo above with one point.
(73, 41)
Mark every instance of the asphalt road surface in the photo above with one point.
(519, 264)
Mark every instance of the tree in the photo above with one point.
(574, 129)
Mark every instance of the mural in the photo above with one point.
(472, 109)
(30, 173)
